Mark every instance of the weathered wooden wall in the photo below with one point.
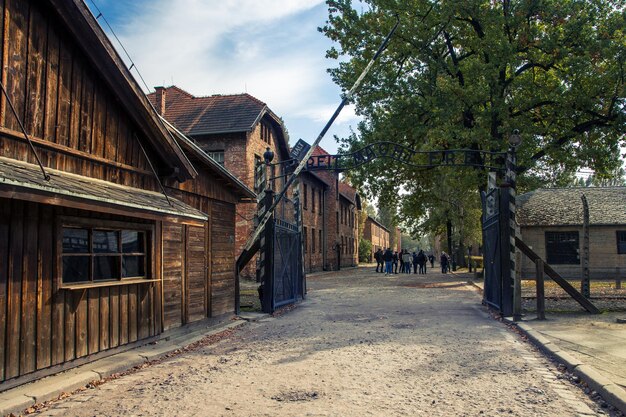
(222, 263)
(75, 121)
(219, 255)
(185, 274)
(42, 325)
(173, 264)
(604, 261)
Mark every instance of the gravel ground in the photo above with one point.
(362, 344)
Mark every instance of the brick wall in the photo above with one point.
(240, 150)
(376, 234)
(348, 232)
(313, 219)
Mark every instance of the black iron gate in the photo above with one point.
(492, 292)
(498, 284)
(287, 268)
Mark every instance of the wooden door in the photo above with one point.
(195, 274)
(173, 272)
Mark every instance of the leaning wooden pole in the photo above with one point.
(573, 292)
(584, 284)
(263, 221)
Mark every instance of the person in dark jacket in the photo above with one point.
(378, 255)
(414, 263)
(395, 262)
(444, 262)
(421, 261)
(431, 258)
(388, 258)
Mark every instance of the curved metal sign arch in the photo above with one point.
(492, 161)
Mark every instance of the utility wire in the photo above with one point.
(154, 171)
(132, 65)
(30, 143)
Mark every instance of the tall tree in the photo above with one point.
(465, 74)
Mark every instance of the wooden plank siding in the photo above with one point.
(173, 250)
(222, 258)
(42, 325)
(196, 274)
(65, 106)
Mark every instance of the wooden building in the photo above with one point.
(376, 233)
(96, 258)
(551, 223)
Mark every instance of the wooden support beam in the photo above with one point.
(585, 303)
(541, 295)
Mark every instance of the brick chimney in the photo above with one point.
(159, 93)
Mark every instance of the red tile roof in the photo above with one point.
(347, 191)
(209, 115)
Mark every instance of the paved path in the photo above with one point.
(362, 344)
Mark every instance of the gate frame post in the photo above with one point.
(506, 272)
(510, 178)
(299, 222)
(268, 257)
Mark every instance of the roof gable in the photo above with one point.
(563, 206)
(376, 222)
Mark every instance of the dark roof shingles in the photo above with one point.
(211, 114)
(563, 206)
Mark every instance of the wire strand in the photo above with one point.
(30, 143)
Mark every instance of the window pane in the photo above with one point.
(133, 266)
(105, 241)
(75, 240)
(133, 241)
(106, 267)
(562, 248)
(621, 242)
(75, 268)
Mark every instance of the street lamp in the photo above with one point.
(268, 156)
(515, 139)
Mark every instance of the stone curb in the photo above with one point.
(18, 399)
(611, 392)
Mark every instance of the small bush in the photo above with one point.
(365, 250)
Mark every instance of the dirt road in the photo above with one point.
(362, 344)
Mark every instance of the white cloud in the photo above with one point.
(269, 48)
(322, 113)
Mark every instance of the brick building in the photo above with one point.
(314, 220)
(398, 239)
(376, 233)
(347, 214)
(329, 219)
(235, 131)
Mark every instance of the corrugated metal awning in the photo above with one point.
(27, 177)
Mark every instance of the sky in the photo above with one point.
(270, 49)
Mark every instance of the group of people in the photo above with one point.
(388, 261)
